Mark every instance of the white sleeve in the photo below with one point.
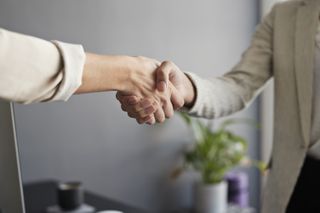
(34, 70)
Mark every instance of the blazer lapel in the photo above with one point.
(306, 28)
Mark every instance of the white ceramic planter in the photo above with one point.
(211, 198)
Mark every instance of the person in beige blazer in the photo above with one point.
(33, 70)
(286, 47)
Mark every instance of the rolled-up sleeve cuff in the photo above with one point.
(73, 57)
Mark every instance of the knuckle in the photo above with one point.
(169, 63)
(123, 108)
(141, 114)
(139, 120)
(166, 62)
(135, 109)
(130, 115)
(160, 70)
(120, 97)
(146, 119)
(145, 102)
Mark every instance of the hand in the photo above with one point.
(169, 72)
(130, 76)
(143, 97)
(182, 94)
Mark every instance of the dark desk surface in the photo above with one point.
(40, 195)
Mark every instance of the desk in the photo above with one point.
(40, 195)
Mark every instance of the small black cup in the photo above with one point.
(70, 195)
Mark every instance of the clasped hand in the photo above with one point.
(155, 91)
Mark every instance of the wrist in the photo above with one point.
(105, 73)
(117, 71)
(124, 72)
(189, 93)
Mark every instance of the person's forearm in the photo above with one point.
(104, 73)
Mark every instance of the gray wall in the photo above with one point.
(89, 138)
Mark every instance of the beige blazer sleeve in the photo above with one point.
(34, 70)
(235, 90)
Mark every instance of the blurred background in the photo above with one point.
(89, 138)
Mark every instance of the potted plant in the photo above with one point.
(213, 154)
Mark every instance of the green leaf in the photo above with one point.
(216, 152)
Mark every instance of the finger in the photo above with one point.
(120, 96)
(151, 121)
(143, 104)
(146, 102)
(124, 108)
(146, 112)
(133, 109)
(132, 115)
(161, 86)
(143, 120)
(129, 100)
(159, 115)
(136, 116)
(167, 108)
(176, 99)
(141, 114)
(139, 121)
(162, 75)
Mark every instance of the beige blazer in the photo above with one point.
(34, 70)
(283, 48)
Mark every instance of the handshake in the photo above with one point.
(152, 91)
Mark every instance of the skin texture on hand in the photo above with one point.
(152, 99)
(118, 73)
(168, 77)
(168, 72)
(130, 76)
(103, 73)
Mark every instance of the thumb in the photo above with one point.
(162, 76)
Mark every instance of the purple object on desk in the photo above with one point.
(238, 193)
